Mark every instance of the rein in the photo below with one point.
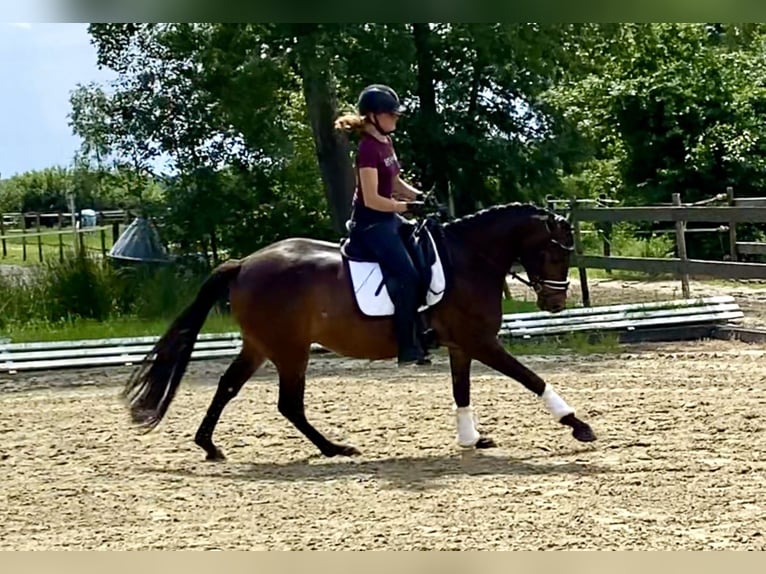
(534, 283)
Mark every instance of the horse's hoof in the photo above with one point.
(583, 433)
(216, 456)
(485, 442)
(349, 450)
(342, 450)
(580, 430)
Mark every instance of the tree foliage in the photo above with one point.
(233, 122)
(670, 108)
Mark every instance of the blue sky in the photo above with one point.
(39, 65)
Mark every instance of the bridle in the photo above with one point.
(536, 283)
(539, 284)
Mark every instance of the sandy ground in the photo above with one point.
(679, 463)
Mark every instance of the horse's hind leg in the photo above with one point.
(236, 375)
(292, 386)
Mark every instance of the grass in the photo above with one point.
(86, 297)
(120, 327)
(576, 343)
(518, 306)
(50, 246)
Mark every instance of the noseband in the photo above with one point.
(538, 284)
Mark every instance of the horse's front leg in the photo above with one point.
(467, 434)
(492, 354)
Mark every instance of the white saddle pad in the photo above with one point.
(366, 278)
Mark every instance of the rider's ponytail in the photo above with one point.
(350, 122)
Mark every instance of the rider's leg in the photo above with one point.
(383, 240)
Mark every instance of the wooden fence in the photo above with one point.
(737, 248)
(14, 229)
(658, 321)
(739, 210)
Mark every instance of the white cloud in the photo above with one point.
(23, 25)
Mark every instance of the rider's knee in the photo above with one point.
(409, 275)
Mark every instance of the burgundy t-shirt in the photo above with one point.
(380, 155)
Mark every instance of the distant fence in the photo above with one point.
(739, 210)
(658, 321)
(15, 230)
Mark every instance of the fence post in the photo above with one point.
(70, 200)
(61, 237)
(681, 245)
(606, 233)
(39, 237)
(2, 234)
(578, 251)
(23, 237)
(732, 226)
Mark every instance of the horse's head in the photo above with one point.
(540, 240)
(544, 253)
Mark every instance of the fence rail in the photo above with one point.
(689, 318)
(15, 227)
(67, 238)
(675, 266)
(672, 213)
(739, 210)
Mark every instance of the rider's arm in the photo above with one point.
(368, 177)
(405, 190)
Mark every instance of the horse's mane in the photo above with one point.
(490, 215)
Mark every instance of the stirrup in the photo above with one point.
(419, 358)
(428, 340)
(424, 360)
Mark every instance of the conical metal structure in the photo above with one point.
(139, 243)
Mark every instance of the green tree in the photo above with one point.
(679, 106)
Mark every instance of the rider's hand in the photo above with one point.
(417, 208)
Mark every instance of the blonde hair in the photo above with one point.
(349, 122)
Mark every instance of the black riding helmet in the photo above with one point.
(379, 99)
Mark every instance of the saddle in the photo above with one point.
(368, 281)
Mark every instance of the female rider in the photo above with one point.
(376, 206)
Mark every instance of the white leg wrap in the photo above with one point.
(555, 404)
(467, 435)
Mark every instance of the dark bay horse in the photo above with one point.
(296, 292)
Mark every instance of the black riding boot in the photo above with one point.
(405, 308)
(426, 335)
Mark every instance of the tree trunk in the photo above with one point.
(332, 147)
(429, 136)
(471, 180)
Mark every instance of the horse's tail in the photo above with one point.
(153, 384)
